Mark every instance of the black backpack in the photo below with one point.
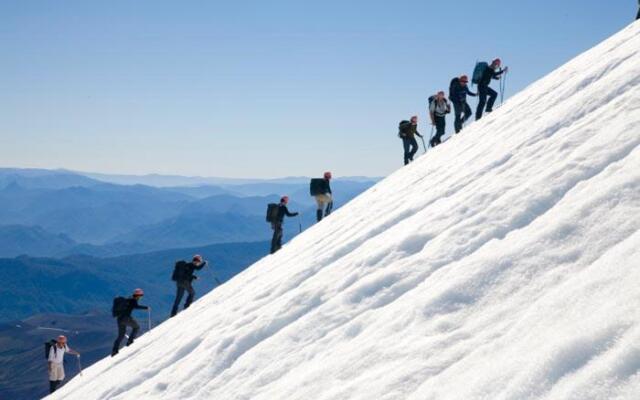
(272, 212)
(317, 186)
(454, 82)
(179, 271)
(403, 127)
(119, 306)
(47, 348)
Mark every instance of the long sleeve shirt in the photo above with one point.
(489, 74)
(190, 268)
(132, 304)
(282, 211)
(56, 354)
(458, 92)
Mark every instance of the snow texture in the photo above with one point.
(501, 265)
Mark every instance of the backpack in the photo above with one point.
(179, 271)
(47, 348)
(478, 71)
(454, 82)
(317, 186)
(273, 210)
(432, 99)
(402, 128)
(119, 306)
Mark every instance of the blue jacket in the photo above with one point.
(458, 92)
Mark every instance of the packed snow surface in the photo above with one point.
(501, 265)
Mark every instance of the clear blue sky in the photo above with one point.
(258, 88)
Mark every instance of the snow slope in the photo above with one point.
(502, 265)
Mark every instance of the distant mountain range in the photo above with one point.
(73, 296)
(73, 241)
(80, 283)
(176, 180)
(58, 213)
(34, 240)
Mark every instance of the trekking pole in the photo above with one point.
(503, 87)
(215, 278)
(423, 144)
(149, 318)
(79, 365)
(299, 224)
(433, 127)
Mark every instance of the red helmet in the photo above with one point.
(62, 339)
(414, 118)
(197, 258)
(284, 199)
(464, 79)
(138, 292)
(497, 62)
(327, 175)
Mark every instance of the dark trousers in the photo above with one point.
(276, 241)
(181, 287)
(459, 109)
(638, 16)
(123, 322)
(483, 92)
(320, 213)
(53, 385)
(440, 126)
(410, 149)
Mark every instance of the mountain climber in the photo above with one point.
(458, 91)
(439, 107)
(183, 276)
(491, 71)
(638, 16)
(276, 225)
(125, 319)
(56, 362)
(408, 133)
(321, 190)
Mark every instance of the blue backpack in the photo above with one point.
(478, 71)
